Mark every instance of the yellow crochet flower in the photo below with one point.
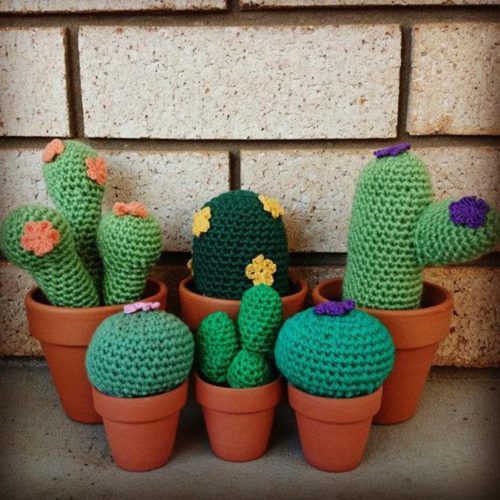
(201, 221)
(261, 271)
(272, 206)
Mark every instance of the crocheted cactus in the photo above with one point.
(239, 241)
(139, 353)
(129, 240)
(40, 240)
(75, 177)
(334, 351)
(396, 230)
(219, 357)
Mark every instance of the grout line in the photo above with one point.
(234, 170)
(404, 84)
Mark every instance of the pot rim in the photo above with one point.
(335, 410)
(141, 409)
(238, 401)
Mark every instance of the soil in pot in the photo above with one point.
(64, 334)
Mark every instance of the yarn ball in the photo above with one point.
(139, 354)
(335, 356)
(249, 369)
(230, 232)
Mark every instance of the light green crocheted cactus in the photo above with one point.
(396, 230)
(139, 352)
(40, 240)
(129, 240)
(244, 361)
(75, 177)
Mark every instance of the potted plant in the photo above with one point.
(138, 362)
(239, 240)
(84, 264)
(236, 383)
(335, 359)
(396, 229)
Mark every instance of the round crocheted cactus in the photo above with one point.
(335, 351)
(75, 177)
(395, 230)
(239, 241)
(249, 369)
(40, 240)
(129, 240)
(216, 346)
(141, 353)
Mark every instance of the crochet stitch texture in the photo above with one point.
(249, 369)
(59, 271)
(139, 354)
(239, 230)
(334, 356)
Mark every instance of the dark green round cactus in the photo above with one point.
(249, 369)
(239, 241)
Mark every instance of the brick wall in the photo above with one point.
(188, 98)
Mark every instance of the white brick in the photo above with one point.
(316, 187)
(454, 81)
(172, 184)
(33, 100)
(240, 82)
(107, 5)
(255, 4)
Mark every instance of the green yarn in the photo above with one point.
(249, 369)
(129, 245)
(139, 354)
(60, 272)
(240, 230)
(216, 346)
(334, 356)
(78, 198)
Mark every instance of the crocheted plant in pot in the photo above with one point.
(239, 241)
(396, 229)
(241, 355)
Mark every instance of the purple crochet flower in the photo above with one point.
(392, 150)
(469, 211)
(140, 306)
(335, 308)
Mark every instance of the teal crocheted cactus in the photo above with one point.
(239, 241)
(396, 230)
(75, 177)
(334, 351)
(139, 353)
(129, 240)
(244, 360)
(40, 240)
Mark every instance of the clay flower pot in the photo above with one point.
(141, 432)
(416, 334)
(65, 333)
(238, 421)
(195, 307)
(333, 432)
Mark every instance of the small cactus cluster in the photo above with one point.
(140, 352)
(334, 350)
(78, 257)
(241, 355)
(239, 240)
(397, 229)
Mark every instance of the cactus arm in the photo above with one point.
(249, 369)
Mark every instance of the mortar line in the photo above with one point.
(404, 83)
(234, 169)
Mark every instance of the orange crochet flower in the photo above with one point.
(40, 237)
(134, 208)
(52, 149)
(97, 170)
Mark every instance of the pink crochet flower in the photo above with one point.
(140, 306)
(97, 169)
(40, 237)
(134, 208)
(52, 149)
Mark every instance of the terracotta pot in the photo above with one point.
(141, 431)
(238, 421)
(65, 333)
(333, 432)
(195, 307)
(416, 334)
